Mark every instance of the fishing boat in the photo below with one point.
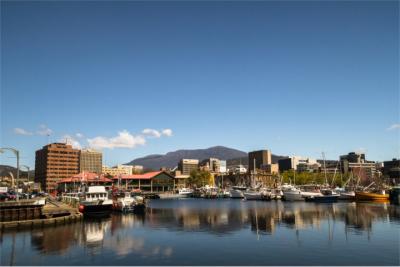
(95, 202)
(185, 192)
(372, 196)
(125, 202)
(237, 191)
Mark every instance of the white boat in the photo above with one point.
(306, 194)
(124, 202)
(237, 191)
(293, 194)
(95, 202)
(252, 195)
(185, 192)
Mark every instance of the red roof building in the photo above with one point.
(88, 178)
(158, 181)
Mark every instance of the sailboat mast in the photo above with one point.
(323, 157)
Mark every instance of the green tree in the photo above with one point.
(199, 178)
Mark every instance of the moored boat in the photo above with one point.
(370, 196)
(185, 192)
(237, 191)
(253, 195)
(292, 194)
(125, 202)
(95, 202)
(326, 196)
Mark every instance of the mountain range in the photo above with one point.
(171, 159)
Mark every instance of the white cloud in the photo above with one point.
(21, 131)
(394, 127)
(123, 140)
(71, 141)
(167, 132)
(79, 135)
(151, 133)
(156, 133)
(44, 130)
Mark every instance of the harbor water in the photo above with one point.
(218, 232)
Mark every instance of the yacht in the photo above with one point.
(292, 194)
(95, 202)
(185, 192)
(237, 191)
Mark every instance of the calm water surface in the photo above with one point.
(218, 232)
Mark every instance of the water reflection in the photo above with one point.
(265, 217)
(122, 236)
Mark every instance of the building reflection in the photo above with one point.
(265, 218)
(118, 234)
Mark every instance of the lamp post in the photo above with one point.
(16, 153)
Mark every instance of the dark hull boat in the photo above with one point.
(96, 202)
(95, 210)
(323, 199)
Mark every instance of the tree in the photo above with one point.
(199, 178)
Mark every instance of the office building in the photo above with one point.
(211, 165)
(259, 158)
(117, 170)
(391, 169)
(90, 161)
(357, 164)
(54, 162)
(298, 164)
(188, 165)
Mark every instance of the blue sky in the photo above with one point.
(295, 77)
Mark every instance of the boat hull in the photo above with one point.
(365, 196)
(347, 196)
(293, 196)
(252, 196)
(236, 193)
(323, 199)
(96, 210)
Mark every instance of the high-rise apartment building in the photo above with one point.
(90, 161)
(188, 165)
(54, 162)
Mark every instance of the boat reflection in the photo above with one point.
(264, 219)
(125, 234)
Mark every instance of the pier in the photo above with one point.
(26, 214)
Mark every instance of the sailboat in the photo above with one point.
(292, 193)
(253, 193)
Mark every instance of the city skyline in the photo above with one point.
(135, 78)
